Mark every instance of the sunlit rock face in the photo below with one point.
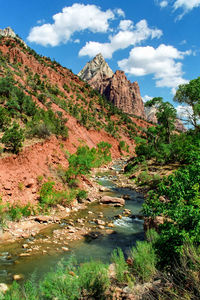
(115, 86)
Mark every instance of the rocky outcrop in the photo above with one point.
(115, 86)
(8, 32)
(98, 66)
(124, 94)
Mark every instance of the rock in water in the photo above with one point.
(114, 201)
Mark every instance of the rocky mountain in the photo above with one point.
(115, 86)
(57, 112)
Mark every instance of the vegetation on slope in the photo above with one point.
(69, 96)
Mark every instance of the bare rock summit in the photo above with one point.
(96, 66)
(115, 86)
(9, 32)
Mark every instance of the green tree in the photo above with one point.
(189, 94)
(166, 116)
(13, 138)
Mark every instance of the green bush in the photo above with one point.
(49, 196)
(144, 260)
(13, 138)
(121, 266)
(81, 162)
(81, 195)
(94, 280)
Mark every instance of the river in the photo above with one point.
(125, 233)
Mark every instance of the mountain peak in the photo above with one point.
(9, 32)
(97, 65)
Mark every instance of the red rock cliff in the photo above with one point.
(116, 87)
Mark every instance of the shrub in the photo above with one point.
(61, 284)
(121, 266)
(81, 195)
(49, 196)
(13, 138)
(93, 278)
(123, 146)
(144, 260)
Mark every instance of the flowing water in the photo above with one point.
(126, 232)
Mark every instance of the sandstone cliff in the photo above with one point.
(115, 86)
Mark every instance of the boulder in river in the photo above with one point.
(114, 201)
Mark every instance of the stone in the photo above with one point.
(18, 277)
(114, 201)
(115, 86)
(24, 254)
(25, 246)
(3, 288)
(111, 225)
(127, 212)
(103, 189)
(100, 222)
(65, 249)
(29, 182)
(101, 227)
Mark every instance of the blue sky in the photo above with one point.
(156, 42)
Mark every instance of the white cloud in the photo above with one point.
(120, 12)
(163, 4)
(146, 98)
(186, 5)
(184, 111)
(77, 41)
(160, 62)
(126, 25)
(121, 40)
(77, 17)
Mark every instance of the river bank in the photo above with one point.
(80, 230)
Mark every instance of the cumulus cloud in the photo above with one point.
(77, 17)
(120, 12)
(126, 25)
(146, 98)
(161, 62)
(129, 35)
